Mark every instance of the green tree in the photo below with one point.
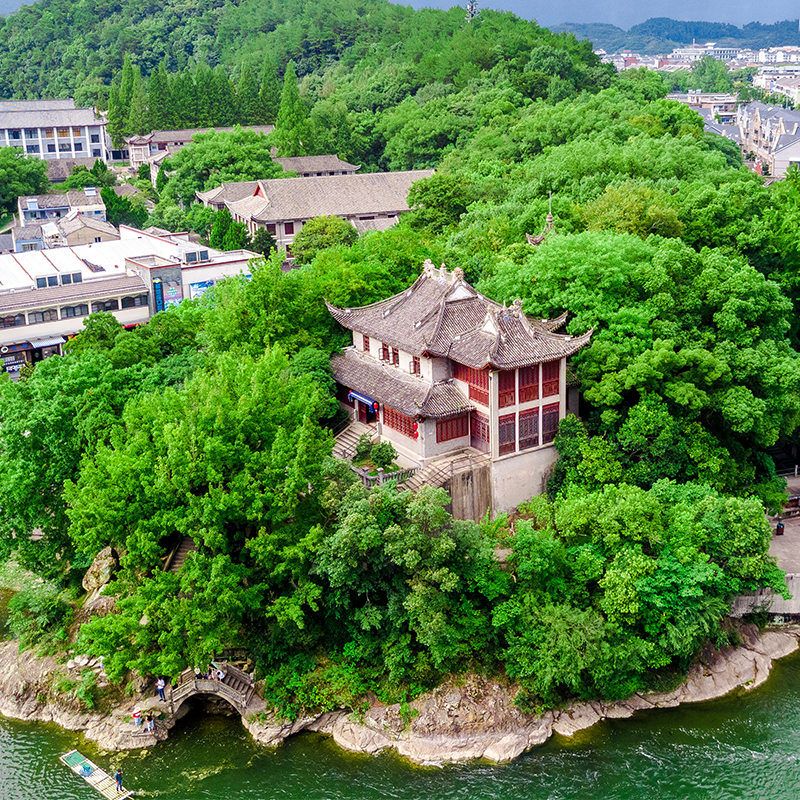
(263, 242)
(20, 176)
(269, 94)
(159, 100)
(320, 233)
(247, 97)
(293, 132)
(222, 222)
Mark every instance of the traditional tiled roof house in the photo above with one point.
(441, 369)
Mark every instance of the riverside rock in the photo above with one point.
(468, 718)
(105, 564)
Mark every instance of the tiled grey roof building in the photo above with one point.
(53, 129)
(439, 369)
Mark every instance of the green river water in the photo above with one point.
(744, 746)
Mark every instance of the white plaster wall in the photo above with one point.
(432, 448)
(67, 327)
(518, 477)
(436, 369)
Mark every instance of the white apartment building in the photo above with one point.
(53, 129)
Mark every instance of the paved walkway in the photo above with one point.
(786, 548)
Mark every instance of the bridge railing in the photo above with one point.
(188, 684)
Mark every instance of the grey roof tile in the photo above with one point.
(316, 164)
(405, 393)
(442, 315)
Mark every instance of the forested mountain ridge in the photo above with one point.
(60, 48)
(662, 34)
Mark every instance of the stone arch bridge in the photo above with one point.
(237, 688)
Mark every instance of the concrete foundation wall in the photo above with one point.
(765, 599)
(471, 493)
(517, 478)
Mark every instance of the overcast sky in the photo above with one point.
(625, 13)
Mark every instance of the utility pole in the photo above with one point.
(472, 10)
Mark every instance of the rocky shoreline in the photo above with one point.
(474, 718)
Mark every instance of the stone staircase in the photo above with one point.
(347, 439)
(186, 546)
(437, 473)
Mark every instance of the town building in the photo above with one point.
(53, 129)
(46, 294)
(772, 135)
(74, 229)
(440, 369)
(317, 166)
(696, 51)
(722, 106)
(35, 209)
(282, 205)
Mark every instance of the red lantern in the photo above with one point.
(416, 426)
(375, 406)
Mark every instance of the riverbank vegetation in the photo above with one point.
(214, 419)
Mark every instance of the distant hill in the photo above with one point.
(661, 34)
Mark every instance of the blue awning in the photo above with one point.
(361, 398)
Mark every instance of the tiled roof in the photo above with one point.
(375, 224)
(187, 134)
(68, 226)
(61, 168)
(228, 192)
(405, 393)
(73, 293)
(6, 242)
(303, 164)
(36, 105)
(336, 195)
(442, 315)
(27, 232)
(75, 197)
(50, 118)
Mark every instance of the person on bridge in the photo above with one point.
(118, 779)
(160, 684)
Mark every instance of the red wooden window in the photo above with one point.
(397, 421)
(478, 380)
(271, 228)
(479, 431)
(416, 369)
(366, 344)
(507, 388)
(550, 374)
(395, 357)
(529, 428)
(529, 384)
(384, 352)
(447, 429)
(549, 422)
(288, 228)
(507, 434)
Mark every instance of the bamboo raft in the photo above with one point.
(94, 776)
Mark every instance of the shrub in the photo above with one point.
(383, 454)
(38, 616)
(363, 447)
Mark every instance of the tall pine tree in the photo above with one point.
(117, 118)
(204, 81)
(138, 118)
(159, 102)
(224, 98)
(293, 130)
(269, 94)
(247, 97)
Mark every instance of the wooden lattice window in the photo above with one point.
(529, 384)
(479, 431)
(398, 422)
(549, 423)
(455, 428)
(507, 388)
(507, 434)
(529, 428)
(395, 357)
(365, 339)
(477, 379)
(416, 369)
(550, 378)
(384, 352)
